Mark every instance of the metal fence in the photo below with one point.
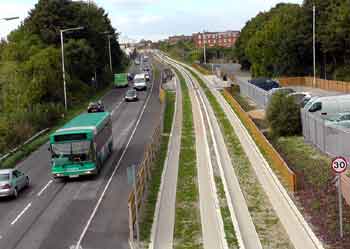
(258, 95)
(329, 138)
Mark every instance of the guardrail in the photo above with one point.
(25, 143)
(278, 163)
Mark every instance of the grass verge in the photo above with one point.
(267, 224)
(157, 169)
(27, 149)
(187, 231)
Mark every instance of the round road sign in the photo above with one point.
(339, 165)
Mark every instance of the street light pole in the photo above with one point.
(110, 53)
(314, 43)
(63, 66)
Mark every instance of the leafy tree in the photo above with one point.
(283, 116)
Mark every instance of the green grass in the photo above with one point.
(26, 150)
(156, 170)
(187, 231)
(243, 102)
(230, 233)
(267, 224)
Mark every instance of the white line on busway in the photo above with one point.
(21, 214)
(44, 188)
(78, 245)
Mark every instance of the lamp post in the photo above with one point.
(109, 36)
(314, 42)
(205, 51)
(9, 18)
(63, 68)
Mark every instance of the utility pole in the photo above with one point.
(205, 51)
(314, 43)
(110, 53)
(63, 67)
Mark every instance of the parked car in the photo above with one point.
(264, 83)
(96, 107)
(328, 106)
(12, 181)
(131, 95)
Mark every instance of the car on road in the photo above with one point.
(12, 181)
(95, 107)
(137, 62)
(147, 77)
(140, 82)
(131, 95)
(130, 76)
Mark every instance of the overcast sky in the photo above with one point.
(157, 19)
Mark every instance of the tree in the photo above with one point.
(283, 115)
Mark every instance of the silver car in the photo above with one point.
(12, 181)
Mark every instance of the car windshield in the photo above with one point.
(4, 177)
(130, 93)
(139, 80)
(67, 149)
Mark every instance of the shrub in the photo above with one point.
(283, 116)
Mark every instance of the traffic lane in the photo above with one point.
(37, 167)
(109, 228)
(79, 197)
(65, 232)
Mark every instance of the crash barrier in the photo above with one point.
(328, 85)
(258, 95)
(31, 139)
(327, 136)
(143, 176)
(287, 175)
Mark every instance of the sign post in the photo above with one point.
(339, 166)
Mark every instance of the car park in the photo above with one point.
(95, 107)
(12, 181)
(131, 95)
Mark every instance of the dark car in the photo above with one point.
(131, 95)
(96, 107)
(130, 76)
(264, 83)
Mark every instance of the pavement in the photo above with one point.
(58, 214)
(163, 227)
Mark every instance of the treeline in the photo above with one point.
(280, 42)
(31, 88)
(187, 51)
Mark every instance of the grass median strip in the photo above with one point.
(267, 224)
(157, 169)
(187, 231)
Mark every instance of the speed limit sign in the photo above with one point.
(339, 165)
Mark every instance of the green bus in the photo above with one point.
(121, 80)
(81, 146)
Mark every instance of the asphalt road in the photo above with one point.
(55, 214)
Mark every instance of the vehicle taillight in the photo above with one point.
(6, 186)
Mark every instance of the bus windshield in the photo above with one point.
(73, 148)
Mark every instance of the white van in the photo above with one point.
(326, 107)
(140, 82)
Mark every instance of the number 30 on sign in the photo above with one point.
(339, 165)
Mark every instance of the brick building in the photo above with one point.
(225, 39)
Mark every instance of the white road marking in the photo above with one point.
(78, 245)
(21, 214)
(44, 188)
(116, 107)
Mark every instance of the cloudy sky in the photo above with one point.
(157, 19)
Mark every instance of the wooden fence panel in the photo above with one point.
(279, 164)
